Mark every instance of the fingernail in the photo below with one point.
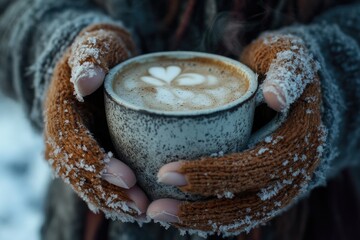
(274, 97)
(172, 178)
(115, 179)
(139, 201)
(164, 217)
(164, 210)
(88, 79)
(119, 174)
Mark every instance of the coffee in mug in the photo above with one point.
(169, 106)
(181, 85)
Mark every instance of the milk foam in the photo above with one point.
(179, 85)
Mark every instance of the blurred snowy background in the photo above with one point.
(24, 175)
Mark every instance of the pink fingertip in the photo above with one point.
(274, 97)
(170, 167)
(89, 81)
(164, 210)
(119, 174)
(168, 175)
(140, 200)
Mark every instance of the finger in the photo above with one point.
(93, 224)
(253, 168)
(87, 78)
(288, 75)
(164, 210)
(169, 174)
(274, 97)
(119, 174)
(96, 50)
(142, 218)
(140, 201)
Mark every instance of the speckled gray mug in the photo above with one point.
(146, 139)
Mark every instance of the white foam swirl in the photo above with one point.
(178, 88)
(169, 83)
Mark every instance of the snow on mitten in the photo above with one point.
(248, 188)
(72, 147)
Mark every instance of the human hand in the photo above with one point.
(248, 188)
(73, 149)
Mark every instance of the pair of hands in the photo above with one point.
(88, 80)
(288, 68)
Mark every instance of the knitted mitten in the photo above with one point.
(252, 186)
(72, 148)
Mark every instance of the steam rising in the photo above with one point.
(224, 35)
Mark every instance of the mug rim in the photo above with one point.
(249, 94)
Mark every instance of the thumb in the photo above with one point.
(287, 64)
(87, 78)
(288, 75)
(94, 51)
(274, 96)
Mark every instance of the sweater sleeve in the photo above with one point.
(33, 36)
(334, 40)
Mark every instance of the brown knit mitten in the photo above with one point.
(74, 130)
(250, 187)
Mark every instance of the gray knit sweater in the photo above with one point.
(35, 33)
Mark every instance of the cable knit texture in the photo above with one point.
(71, 149)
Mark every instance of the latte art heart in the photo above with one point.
(182, 86)
(161, 76)
(169, 83)
(166, 74)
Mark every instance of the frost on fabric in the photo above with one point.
(59, 35)
(271, 191)
(203, 234)
(83, 48)
(277, 139)
(309, 111)
(81, 164)
(262, 150)
(320, 39)
(226, 194)
(272, 140)
(164, 224)
(268, 139)
(77, 183)
(296, 66)
(116, 215)
(54, 48)
(247, 223)
(296, 157)
(106, 160)
(218, 154)
(93, 208)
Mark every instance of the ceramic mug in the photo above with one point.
(147, 139)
